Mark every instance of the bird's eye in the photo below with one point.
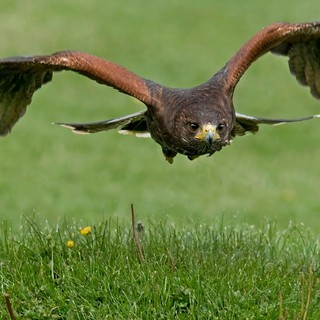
(221, 127)
(193, 126)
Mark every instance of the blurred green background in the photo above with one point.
(49, 172)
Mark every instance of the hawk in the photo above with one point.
(194, 121)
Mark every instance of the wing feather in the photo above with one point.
(20, 77)
(134, 124)
(245, 123)
(299, 41)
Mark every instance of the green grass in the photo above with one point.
(49, 171)
(195, 272)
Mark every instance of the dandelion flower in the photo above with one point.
(85, 230)
(70, 243)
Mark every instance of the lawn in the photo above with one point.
(66, 180)
(196, 272)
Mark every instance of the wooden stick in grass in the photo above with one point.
(9, 307)
(135, 236)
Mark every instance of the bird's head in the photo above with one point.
(202, 129)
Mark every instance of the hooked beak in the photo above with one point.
(208, 133)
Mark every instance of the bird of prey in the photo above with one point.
(194, 121)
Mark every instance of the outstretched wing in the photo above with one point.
(299, 41)
(134, 124)
(20, 77)
(246, 123)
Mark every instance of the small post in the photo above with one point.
(135, 236)
(9, 307)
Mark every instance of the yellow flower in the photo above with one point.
(85, 231)
(70, 243)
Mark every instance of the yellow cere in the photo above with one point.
(205, 130)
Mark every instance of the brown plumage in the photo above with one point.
(196, 121)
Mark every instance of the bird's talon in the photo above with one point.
(192, 157)
(169, 159)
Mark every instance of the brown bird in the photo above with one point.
(195, 121)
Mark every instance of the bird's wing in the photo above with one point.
(299, 41)
(134, 124)
(246, 123)
(20, 77)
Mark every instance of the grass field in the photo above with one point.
(196, 272)
(70, 180)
